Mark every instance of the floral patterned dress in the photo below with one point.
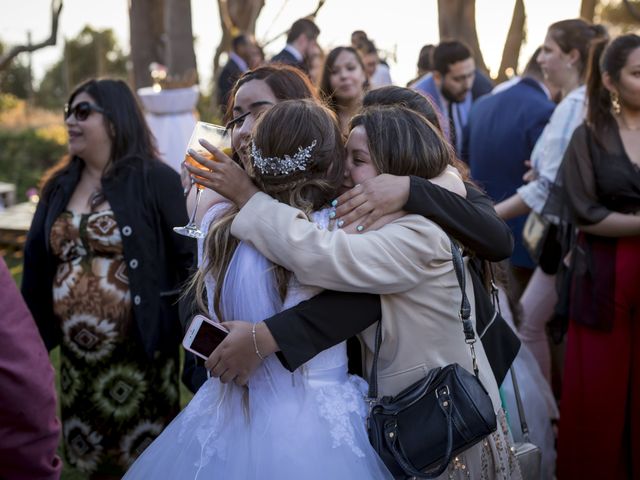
(114, 399)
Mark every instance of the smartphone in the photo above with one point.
(203, 336)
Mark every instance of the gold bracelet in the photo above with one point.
(255, 343)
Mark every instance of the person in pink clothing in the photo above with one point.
(29, 429)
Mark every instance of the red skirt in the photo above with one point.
(599, 430)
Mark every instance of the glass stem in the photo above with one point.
(192, 220)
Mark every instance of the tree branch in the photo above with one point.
(56, 7)
(312, 16)
(632, 9)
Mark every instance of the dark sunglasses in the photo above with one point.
(81, 110)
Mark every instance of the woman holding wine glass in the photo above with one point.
(102, 272)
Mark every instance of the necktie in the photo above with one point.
(452, 128)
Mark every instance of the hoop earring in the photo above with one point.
(615, 103)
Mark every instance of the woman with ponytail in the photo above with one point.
(563, 60)
(599, 434)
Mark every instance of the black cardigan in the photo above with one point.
(147, 201)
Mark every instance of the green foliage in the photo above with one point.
(24, 157)
(93, 53)
(15, 80)
(7, 102)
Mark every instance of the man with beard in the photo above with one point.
(449, 86)
(301, 44)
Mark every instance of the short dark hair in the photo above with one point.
(303, 26)
(533, 69)
(425, 58)
(239, 40)
(447, 53)
(367, 47)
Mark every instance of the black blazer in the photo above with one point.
(147, 200)
(227, 79)
(286, 57)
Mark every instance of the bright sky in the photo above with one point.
(402, 26)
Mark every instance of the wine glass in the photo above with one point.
(220, 138)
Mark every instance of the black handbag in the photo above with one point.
(418, 432)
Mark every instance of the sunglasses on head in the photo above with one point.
(81, 110)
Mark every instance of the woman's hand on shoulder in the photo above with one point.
(222, 175)
(364, 205)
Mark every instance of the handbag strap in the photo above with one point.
(464, 314)
(523, 421)
(516, 390)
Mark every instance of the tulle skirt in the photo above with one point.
(309, 424)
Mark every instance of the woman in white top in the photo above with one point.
(563, 60)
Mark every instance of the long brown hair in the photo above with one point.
(307, 123)
(577, 33)
(124, 121)
(403, 142)
(326, 90)
(611, 59)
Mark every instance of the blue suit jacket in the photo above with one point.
(501, 133)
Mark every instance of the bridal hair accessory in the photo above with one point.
(281, 166)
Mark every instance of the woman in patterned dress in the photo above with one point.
(102, 267)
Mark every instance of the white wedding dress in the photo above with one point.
(309, 424)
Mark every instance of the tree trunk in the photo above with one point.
(180, 56)
(457, 21)
(236, 16)
(513, 44)
(146, 25)
(588, 10)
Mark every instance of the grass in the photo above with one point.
(13, 258)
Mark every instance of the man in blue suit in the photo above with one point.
(501, 133)
(450, 87)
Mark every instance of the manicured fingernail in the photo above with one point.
(332, 214)
(340, 223)
(334, 203)
(359, 228)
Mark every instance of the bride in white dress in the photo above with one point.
(309, 424)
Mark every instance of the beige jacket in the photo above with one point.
(408, 262)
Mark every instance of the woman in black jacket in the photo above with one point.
(101, 275)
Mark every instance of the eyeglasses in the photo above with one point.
(81, 110)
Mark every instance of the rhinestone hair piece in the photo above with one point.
(276, 166)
